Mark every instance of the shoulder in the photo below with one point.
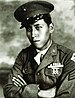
(64, 49)
(23, 55)
(26, 50)
(68, 53)
(67, 56)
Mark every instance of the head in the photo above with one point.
(38, 30)
(38, 25)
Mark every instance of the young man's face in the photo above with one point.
(39, 34)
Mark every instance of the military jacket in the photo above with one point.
(57, 68)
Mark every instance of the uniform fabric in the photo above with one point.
(42, 75)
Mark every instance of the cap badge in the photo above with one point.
(23, 8)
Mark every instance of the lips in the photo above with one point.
(36, 40)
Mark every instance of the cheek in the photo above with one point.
(44, 35)
(45, 38)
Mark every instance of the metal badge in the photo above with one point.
(55, 67)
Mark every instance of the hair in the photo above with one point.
(47, 19)
(31, 20)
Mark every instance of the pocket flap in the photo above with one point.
(27, 69)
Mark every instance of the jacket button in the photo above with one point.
(38, 73)
(26, 70)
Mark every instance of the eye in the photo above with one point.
(38, 27)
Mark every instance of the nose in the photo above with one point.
(34, 32)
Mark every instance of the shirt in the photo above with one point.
(43, 52)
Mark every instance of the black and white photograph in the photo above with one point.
(37, 48)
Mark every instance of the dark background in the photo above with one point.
(12, 39)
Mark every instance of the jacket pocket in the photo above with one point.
(28, 74)
(27, 69)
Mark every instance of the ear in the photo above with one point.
(51, 28)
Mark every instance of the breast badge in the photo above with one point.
(55, 67)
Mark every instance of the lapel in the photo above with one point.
(48, 58)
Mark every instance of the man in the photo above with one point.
(44, 69)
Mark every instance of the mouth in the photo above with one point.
(36, 41)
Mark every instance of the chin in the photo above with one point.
(39, 47)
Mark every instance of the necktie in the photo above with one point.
(41, 57)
